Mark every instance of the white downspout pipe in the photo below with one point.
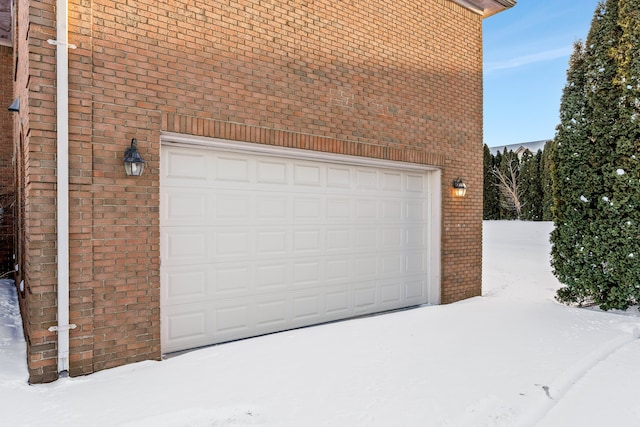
(62, 167)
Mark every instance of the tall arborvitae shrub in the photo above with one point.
(596, 242)
(571, 168)
(622, 179)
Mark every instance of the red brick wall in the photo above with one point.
(396, 80)
(7, 194)
(35, 147)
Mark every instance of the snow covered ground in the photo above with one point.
(513, 357)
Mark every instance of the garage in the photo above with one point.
(258, 239)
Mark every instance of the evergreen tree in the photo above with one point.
(531, 182)
(497, 161)
(491, 207)
(595, 171)
(570, 168)
(546, 182)
(622, 213)
(537, 195)
(526, 172)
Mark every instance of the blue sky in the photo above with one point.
(526, 55)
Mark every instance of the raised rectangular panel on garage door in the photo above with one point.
(259, 242)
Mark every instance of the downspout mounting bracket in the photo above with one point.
(62, 328)
(57, 43)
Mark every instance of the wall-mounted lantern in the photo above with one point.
(133, 161)
(459, 188)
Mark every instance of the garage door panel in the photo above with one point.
(193, 284)
(392, 181)
(233, 243)
(187, 326)
(338, 303)
(415, 183)
(415, 211)
(232, 280)
(195, 206)
(391, 209)
(232, 168)
(232, 319)
(415, 263)
(414, 237)
(183, 167)
(272, 172)
(366, 238)
(366, 209)
(305, 209)
(185, 246)
(273, 207)
(391, 264)
(415, 290)
(339, 177)
(366, 179)
(365, 298)
(366, 266)
(338, 270)
(253, 244)
(338, 209)
(271, 276)
(391, 293)
(233, 206)
(183, 285)
(307, 241)
(338, 239)
(271, 313)
(307, 174)
(306, 307)
(273, 242)
(187, 206)
(306, 273)
(392, 238)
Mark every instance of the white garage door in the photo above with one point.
(258, 242)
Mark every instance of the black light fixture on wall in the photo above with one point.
(133, 161)
(459, 187)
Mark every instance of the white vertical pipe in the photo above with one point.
(435, 242)
(62, 84)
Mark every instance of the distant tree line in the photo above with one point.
(517, 187)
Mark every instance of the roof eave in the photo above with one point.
(486, 8)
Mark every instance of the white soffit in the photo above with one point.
(486, 8)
